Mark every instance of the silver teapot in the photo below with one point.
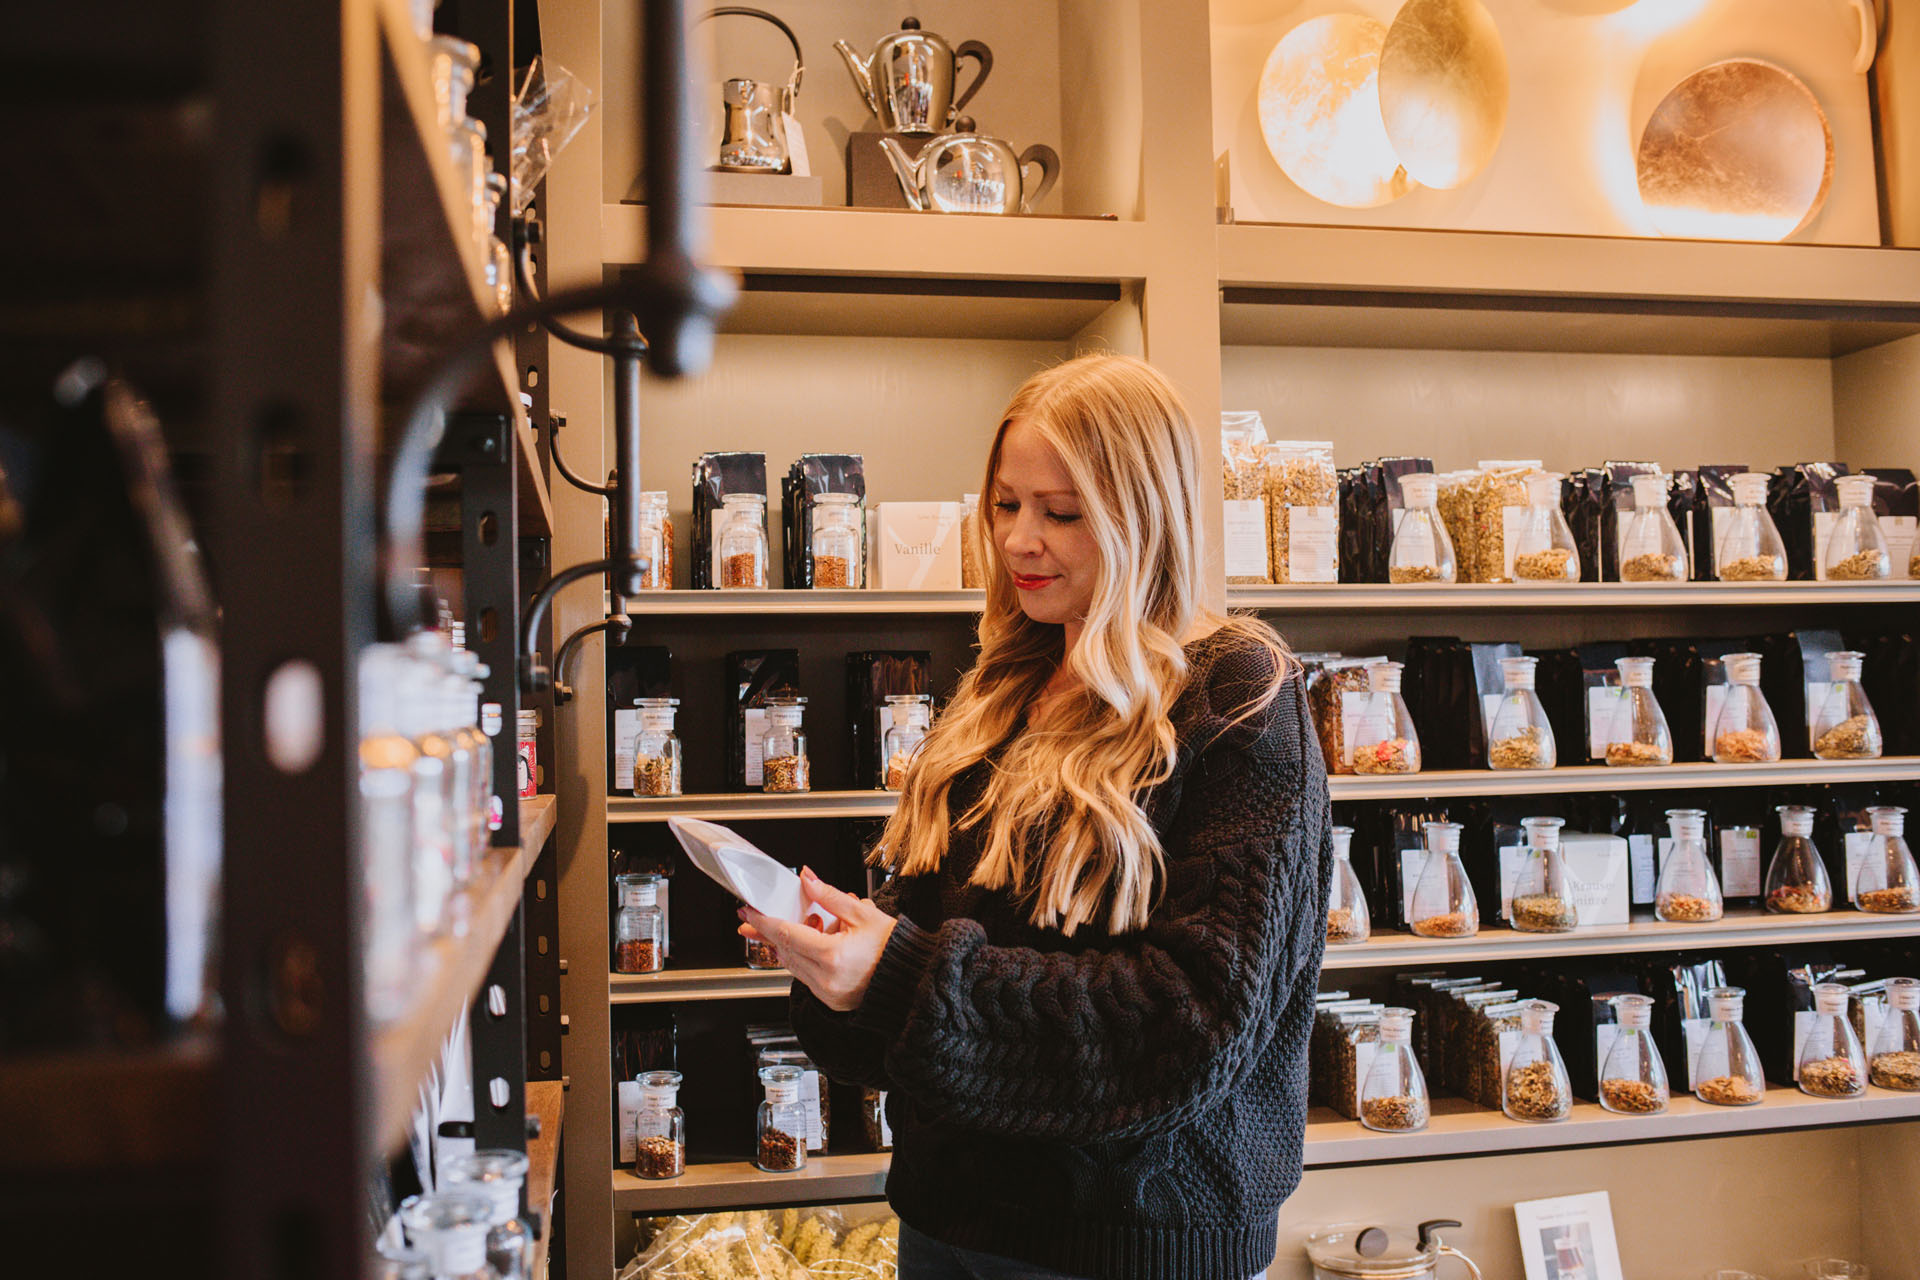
(908, 79)
(754, 138)
(967, 172)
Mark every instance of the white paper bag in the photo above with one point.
(732, 861)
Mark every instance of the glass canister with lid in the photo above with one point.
(909, 716)
(1422, 551)
(639, 930)
(837, 536)
(783, 764)
(1443, 901)
(1545, 550)
(1749, 548)
(1744, 730)
(1726, 1068)
(1651, 548)
(1543, 899)
(1844, 724)
(1856, 549)
(742, 546)
(1347, 920)
(1895, 1051)
(656, 541)
(1797, 881)
(1393, 1093)
(1638, 736)
(656, 748)
(1887, 882)
(1519, 735)
(660, 1128)
(1536, 1087)
(1359, 1252)
(1383, 737)
(1633, 1079)
(1687, 892)
(780, 1135)
(1831, 1063)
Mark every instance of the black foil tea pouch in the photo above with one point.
(1890, 676)
(1439, 691)
(871, 676)
(1580, 503)
(811, 475)
(753, 676)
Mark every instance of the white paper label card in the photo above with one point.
(1605, 1036)
(1244, 538)
(629, 1096)
(1364, 1053)
(1313, 545)
(1364, 717)
(1720, 516)
(1803, 1020)
(1740, 862)
(1509, 1044)
(1640, 860)
(1412, 862)
(1413, 541)
(1513, 521)
(810, 1098)
(1823, 522)
(1901, 535)
(755, 722)
(1695, 1032)
(626, 727)
(1858, 844)
(1609, 719)
(1512, 858)
(1716, 695)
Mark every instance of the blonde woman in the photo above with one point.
(1088, 985)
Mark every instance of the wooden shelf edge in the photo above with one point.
(536, 501)
(790, 603)
(1376, 597)
(546, 1099)
(737, 1184)
(668, 985)
(747, 806)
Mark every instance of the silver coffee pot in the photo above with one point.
(754, 135)
(908, 79)
(967, 172)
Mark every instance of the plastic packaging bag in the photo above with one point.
(547, 111)
(779, 1244)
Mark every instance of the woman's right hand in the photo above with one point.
(838, 966)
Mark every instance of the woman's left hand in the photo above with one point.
(835, 966)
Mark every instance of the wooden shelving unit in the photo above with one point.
(546, 1101)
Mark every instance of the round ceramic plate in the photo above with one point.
(1320, 112)
(1739, 150)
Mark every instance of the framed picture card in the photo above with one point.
(1569, 1238)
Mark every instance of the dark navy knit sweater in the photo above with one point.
(1117, 1107)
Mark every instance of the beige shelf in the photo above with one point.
(546, 1099)
(749, 805)
(1741, 927)
(737, 1184)
(739, 983)
(1509, 596)
(451, 971)
(808, 603)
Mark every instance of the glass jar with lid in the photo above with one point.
(499, 1175)
(1381, 1253)
(873, 1118)
(783, 762)
(780, 1134)
(451, 66)
(1744, 730)
(837, 535)
(1894, 1061)
(1542, 890)
(1393, 1093)
(660, 1128)
(1844, 725)
(1383, 736)
(1535, 1086)
(639, 930)
(1545, 550)
(1651, 548)
(1797, 882)
(1830, 1063)
(1687, 891)
(1749, 548)
(656, 748)
(1856, 549)
(1422, 551)
(909, 715)
(387, 759)
(1633, 1079)
(656, 541)
(1347, 917)
(451, 1227)
(762, 954)
(1443, 901)
(1638, 736)
(742, 546)
(1518, 735)
(1726, 1067)
(1887, 882)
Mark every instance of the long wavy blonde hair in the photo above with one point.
(1061, 815)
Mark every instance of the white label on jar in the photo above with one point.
(1719, 517)
(886, 1130)
(1313, 544)
(1512, 858)
(1901, 534)
(1803, 1022)
(1489, 707)
(1695, 1032)
(1873, 1015)
(1605, 1036)
(1716, 696)
(1609, 719)
(1640, 863)
(1364, 1052)
(626, 727)
(1414, 542)
(527, 768)
(1513, 522)
(1412, 862)
(1817, 692)
(810, 1099)
(1244, 538)
(1740, 862)
(1823, 522)
(1858, 844)
(754, 720)
(1363, 716)
(1509, 1044)
(629, 1095)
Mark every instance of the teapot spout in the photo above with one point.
(906, 168)
(861, 69)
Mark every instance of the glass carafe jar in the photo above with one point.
(909, 715)
(783, 762)
(660, 1130)
(1894, 1055)
(742, 546)
(781, 1133)
(656, 748)
(1347, 919)
(499, 1175)
(451, 1228)
(1651, 548)
(762, 954)
(1748, 548)
(639, 930)
(434, 801)
(1443, 902)
(1797, 882)
(1639, 736)
(1633, 1080)
(1830, 1063)
(1383, 737)
(1687, 891)
(1542, 890)
(1393, 1093)
(1744, 731)
(656, 541)
(1535, 1087)
(1856, 549)
(387, 759)
(1844, 726)
(1422, 551)
(1887, 882)
(1518, 735)
(1726, 1067)
(839, 542)
(1545, 551)
(483, 807)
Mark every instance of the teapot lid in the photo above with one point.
(1376, 1252)
(909, 24)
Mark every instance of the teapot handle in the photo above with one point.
(1049, 161)
(792, 90)
(1868, 14)
(1448, 1251)
(984, 56)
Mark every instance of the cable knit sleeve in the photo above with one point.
(838, 1047)
(1145, 1032)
